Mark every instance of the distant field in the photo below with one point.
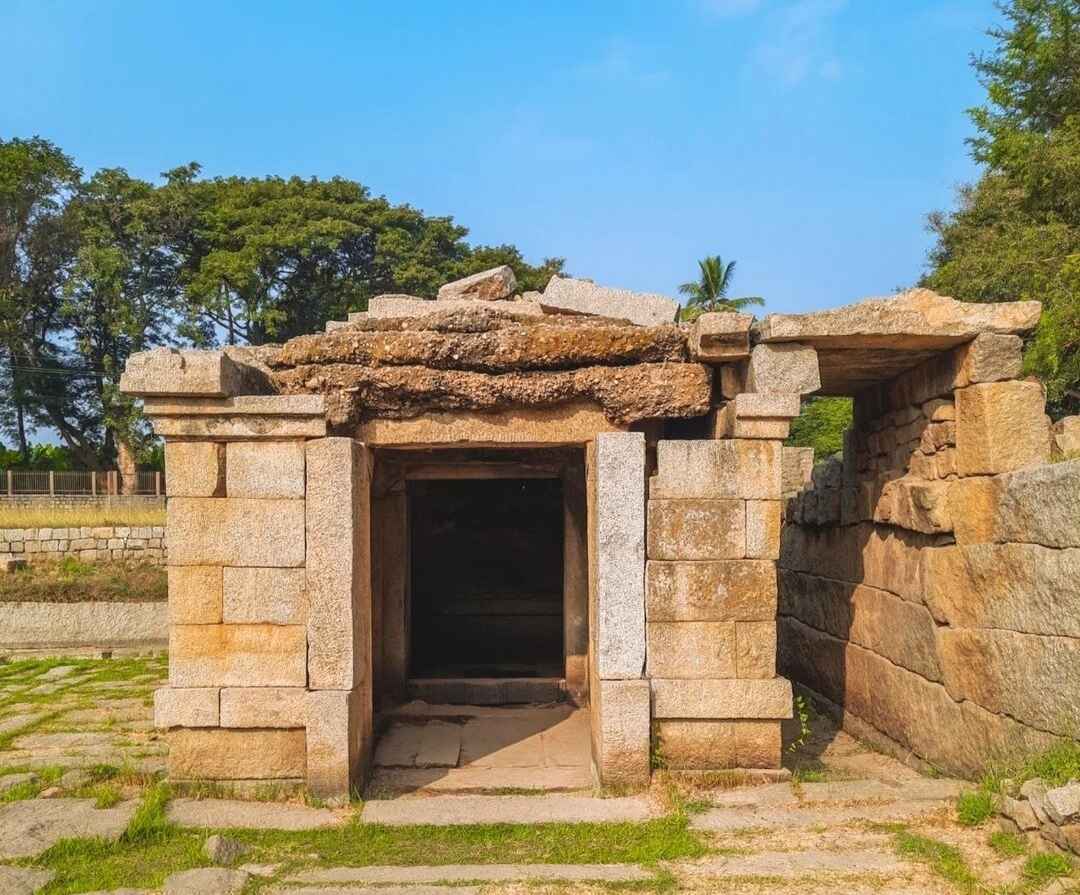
(72, 581)
(64, 517)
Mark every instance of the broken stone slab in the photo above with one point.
(232, 813)
(783, 368)
(585, 297)
(206, 881)
(224, 851)
(454, 810)
(24, 880)
(1020, 812)
(918, 318)
(459, 873)
(30, 827)
(720, 337)
(728, 819)
(1063, 803)
(10, 781)
(184, 372)
(384, 307)
(487, 285)
(379, 890)
(810, 863)
(626, 394)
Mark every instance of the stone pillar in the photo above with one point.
(575, 581)
(710, 586)
(619, 694)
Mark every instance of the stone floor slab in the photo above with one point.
(451, 810)
(726, 819)
(848, 791)
(388, 782)
(479, 872)
(23, 880)
(206, 881)
(31, 826)
(439, 746)
(502, 743)
(770, 794)
(796, 864)
(230, 813)
(378, 890)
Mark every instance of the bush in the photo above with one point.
(821, 425)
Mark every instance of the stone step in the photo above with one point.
(488, 691)
(780, 817)
(463, 873)
(789, 865)
(557, 808)
(391, 782)
(225, 813)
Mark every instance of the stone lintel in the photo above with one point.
(241, 405)
(720, 337)
(722, 699)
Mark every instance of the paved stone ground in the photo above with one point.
(833, 828)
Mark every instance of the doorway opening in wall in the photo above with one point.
(486, 578)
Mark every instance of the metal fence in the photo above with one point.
(14, 482)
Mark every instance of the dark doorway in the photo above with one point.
(486, 578)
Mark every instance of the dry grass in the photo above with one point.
(65, 517)
(72, 581)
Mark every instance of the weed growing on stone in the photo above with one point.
(942, 858)
(1008, 845)
(974, 807)
(803, 714)
(1039, 869)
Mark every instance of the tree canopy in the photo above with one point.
(93, 269)
(1015, 234)
(710, 291)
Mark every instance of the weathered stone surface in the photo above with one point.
(396, 307)
(462, 873)
(338, 564)
(1009, 673)
(299, 406)
(627, 394)
(728, 425)
(339, 742)
(29, 827)
(530, 809)
(990, 357)
(237, 656)
(713, 745)
(691, 650)
(181, 372)
(487, 285)
(33, 625)
(209, 531)
(623, 732)
(755, 649)
(722, 699)
(237, 754)
(240, 428)
(959, 738)
(717, 469)
(918, 317)
(902, 631)
(195, 468)
(1063, 803)
(1000, 427)
(195, 595)
(1067, 436)
(720, 337)
(619, 493)
(733, 590)
(224, 814)
(763, 529)
(491, 343)
(187, 707)
(769, 405)
(264, 707)
(223, 850)
(266, 469)
(206, 881)
(1017, 587)
(783, 368)
(261, 595)
(1040, 505)
(697, 529)
(24, 880)
(797, 467)
(585, 297)
(1019, 812)
(916, 505)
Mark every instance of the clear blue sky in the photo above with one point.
(805, 138)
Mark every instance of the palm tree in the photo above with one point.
(709, 293)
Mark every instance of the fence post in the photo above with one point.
(52, 483)
(10, 484)
(157, 483)
(112, 482)
(93, 482)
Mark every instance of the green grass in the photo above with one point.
(1041, 868)
(1057, 766)
(942, 858)
(1008, 845)
(973, 808)
(72, 581)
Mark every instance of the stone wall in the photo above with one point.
(88, 543)
(74, 628)
(928, 584)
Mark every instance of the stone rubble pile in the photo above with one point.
(1039, 811)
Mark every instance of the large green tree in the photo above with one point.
(1015, 234)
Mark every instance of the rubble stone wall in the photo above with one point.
(146, 543)
(929, 579)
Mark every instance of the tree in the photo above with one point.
(821, 425)
(1015, 234)
(710, 292)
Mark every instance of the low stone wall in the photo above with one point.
(87, 543)
(83, 501)
(28, 627)
(928, 584)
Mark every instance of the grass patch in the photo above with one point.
(149, 823)
(72, 581)
(1057, 766)
(942, 858)
(1043, 867)
(974, 807)
(1008, 845)
(80, 517)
